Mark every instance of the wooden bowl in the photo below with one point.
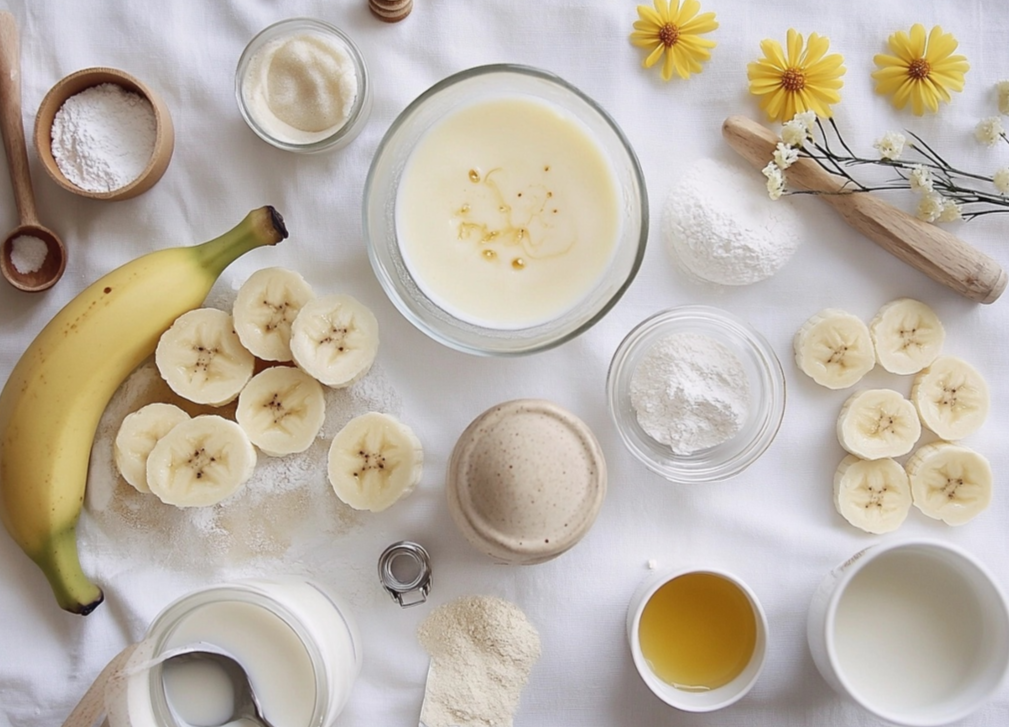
(164, 141)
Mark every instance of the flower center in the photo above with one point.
(793, 79)
(919, 69)
(669, 34)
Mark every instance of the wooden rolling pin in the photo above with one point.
(943, 257)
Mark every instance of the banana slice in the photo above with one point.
(374, 461)
(138, 434)
(951, 397)
(873, 495)
(200, 462)
(834, 348)
(949, 482)
(878, 423)
(907, 335)
(335, 339)
(264, 309)
(202, 359)
(282, 410)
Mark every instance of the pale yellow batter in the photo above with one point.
(507, 213)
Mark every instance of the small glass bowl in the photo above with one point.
(362, 103)
(382, 187)
(767, 391)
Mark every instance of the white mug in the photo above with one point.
(689, 700)
(914, 631)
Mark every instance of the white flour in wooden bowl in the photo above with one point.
(721, 226)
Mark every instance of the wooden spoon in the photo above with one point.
(91, 709)
(943, 257)
(55, 260)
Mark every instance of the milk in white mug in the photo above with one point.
(916, 632)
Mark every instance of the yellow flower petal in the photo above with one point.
(662, 10)
(774, 104)
(652, 58)
(900, 44)
(940, 45)
(697, 46)
(794, 43)
(774, 55)
(902, 93)
(701, 24)
(688, 10)
(953, 64)
(667, 66)
(644, 40)
(816, 48)
(889, 72)
(648, 15)
(918, 40)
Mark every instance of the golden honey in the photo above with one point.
(698, 631)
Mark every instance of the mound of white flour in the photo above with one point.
(721, 226)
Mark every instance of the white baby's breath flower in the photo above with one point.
(951, 211)
(1001, 180)
(775, 180)
(808, 120)
(930, 207)
(920, 179)
(785, 156)
(793, 133)
(891, 146)
(1003, 96)
(989, 131)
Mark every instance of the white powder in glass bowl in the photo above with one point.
(721, 226)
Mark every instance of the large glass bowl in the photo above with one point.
(763, 372)
(386, 173)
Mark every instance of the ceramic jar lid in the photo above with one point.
(526, 481)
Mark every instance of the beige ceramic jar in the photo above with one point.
(526, 481)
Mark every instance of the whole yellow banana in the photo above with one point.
(57, 392)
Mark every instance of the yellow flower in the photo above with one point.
(804, 80)
(922, 69)
(674, 30)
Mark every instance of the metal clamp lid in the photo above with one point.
(404, 568)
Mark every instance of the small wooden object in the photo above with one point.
(390, 11)
(943, 257)
(55, 261)
(91, 709)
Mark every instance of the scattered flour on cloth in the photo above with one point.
(722, 227)
(482, 650)
(690, 392)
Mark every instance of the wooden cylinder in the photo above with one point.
(940, 255)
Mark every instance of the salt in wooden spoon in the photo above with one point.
(940, 255)
(55, 260)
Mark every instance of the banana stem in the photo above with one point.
(263, 226)
(74, 592)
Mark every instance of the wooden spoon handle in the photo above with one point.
(943, 257)
(10, 119)
(91, 708)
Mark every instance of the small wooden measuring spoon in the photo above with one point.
(55, 260)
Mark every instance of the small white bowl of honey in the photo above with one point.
(698, 637)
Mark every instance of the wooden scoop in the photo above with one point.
(922, 245)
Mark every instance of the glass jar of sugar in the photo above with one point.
(297, 642)
(302, 85)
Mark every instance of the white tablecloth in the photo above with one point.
(774, 525)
